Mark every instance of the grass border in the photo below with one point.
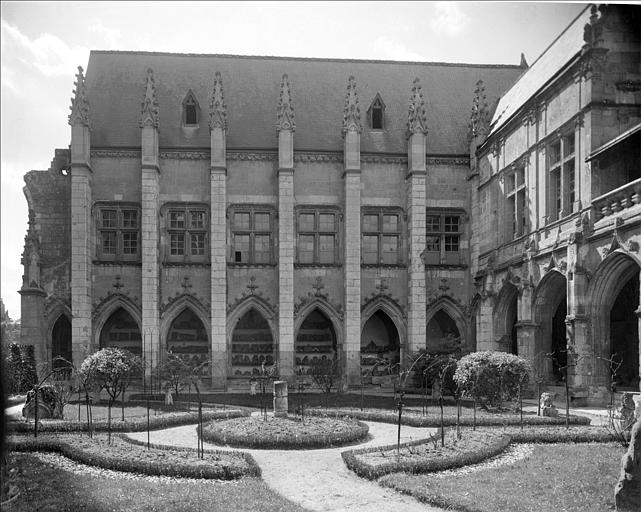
(136, 424)
(104, 460)
(412, 420)
(364, 470)
(292, 442)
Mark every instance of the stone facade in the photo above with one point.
(222, 227)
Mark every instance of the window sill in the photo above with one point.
(383, 265)
(183, 263)
(234, 264)
(318, 265)
(132, 263)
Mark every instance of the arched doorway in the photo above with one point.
(624, 334)
(187, 338)
(379, 342)
(315, 341)
(252, 344)
(443, 335)
(61, 342)
(559, 342)
(505, 318)
(121, 331)
(550, 311)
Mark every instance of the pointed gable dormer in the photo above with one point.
(217, 107)
(376, 113)
(285, 110)
(149, 113)
(191, 109)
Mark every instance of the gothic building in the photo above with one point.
(241, 210)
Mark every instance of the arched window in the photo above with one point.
(376, 114)
(190, 110)
(61, 342)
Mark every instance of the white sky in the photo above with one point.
(44, 42)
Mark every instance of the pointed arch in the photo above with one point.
(61, 342)
(316, 337)
(380, 337)
(328, 310)
(252, 344)
(107, 308)
(191, 109)
(392, 309)
(376, 113)
(53, 311)
(611, 277)
(505, 317)
(445, 305)
(260, 305)
(176, 308)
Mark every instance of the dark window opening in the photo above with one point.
(377, 117)
(190, 114)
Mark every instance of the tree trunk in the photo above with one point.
(35, 416)
(440, 401)
(109, 421)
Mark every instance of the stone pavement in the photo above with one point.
(317, 480)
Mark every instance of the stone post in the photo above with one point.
(81, 199)
(218, 233)
(150, 166)
(285, 127)
(352, 161)
(280, 399)
(416, 173)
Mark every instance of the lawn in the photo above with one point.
(568, 477)
(47, 489)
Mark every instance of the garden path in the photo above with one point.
(317, 480)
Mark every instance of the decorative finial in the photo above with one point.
(217, 107)
(480, 117)
(285, 111)
(352, 111)
(149, 113)
(416, 118)
(79, 103)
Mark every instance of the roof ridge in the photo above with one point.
(307, 59)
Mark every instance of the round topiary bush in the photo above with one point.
(285, 433)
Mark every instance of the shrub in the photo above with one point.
(429, 366)
(449, 459)
(21, 367)
(492, 377)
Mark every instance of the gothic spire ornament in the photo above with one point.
(79, 103)
(480, 117)
(217, 107)
(285, 111)
(351, 111)
(417, 117)
(149, 112)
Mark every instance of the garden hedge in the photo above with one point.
(136, 424)
(171, 463)
(419, 464)
(414, 420)
(285, 441)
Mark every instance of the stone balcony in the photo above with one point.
(618, 199)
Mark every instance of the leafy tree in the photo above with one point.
(492, 377)
(326, 373)
(110, 368)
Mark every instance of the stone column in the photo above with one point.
(218, 234)
(416, 204)
(150, 165)
(352, 238)
(285, 127)
(81, 201)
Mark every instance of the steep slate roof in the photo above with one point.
(116, 80)
(560, 52)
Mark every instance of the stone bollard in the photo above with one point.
(547, 405)
(627, 493)
(280, 399)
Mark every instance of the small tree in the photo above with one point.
(110, 368)
(564, 360)
(326, 373)
(492, 377)
(266, 374)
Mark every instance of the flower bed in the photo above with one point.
(124, 456)
(426, 456)
(285, 433)
(132, 424)
(416, 419)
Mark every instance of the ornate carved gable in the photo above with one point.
(217, 107)
(149, 112)
(480, 117)
(352, 110)
(79, 103)
(285, 110)
(416, 117)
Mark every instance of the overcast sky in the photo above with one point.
(44, 42)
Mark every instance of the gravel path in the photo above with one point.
(318, 479)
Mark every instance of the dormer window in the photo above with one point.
(190, 110)
(376, 113)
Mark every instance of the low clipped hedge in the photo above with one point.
(420, 464)
(414, 420)
(122, 456)
(283, 439)
(576, 434)
(136, 424)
